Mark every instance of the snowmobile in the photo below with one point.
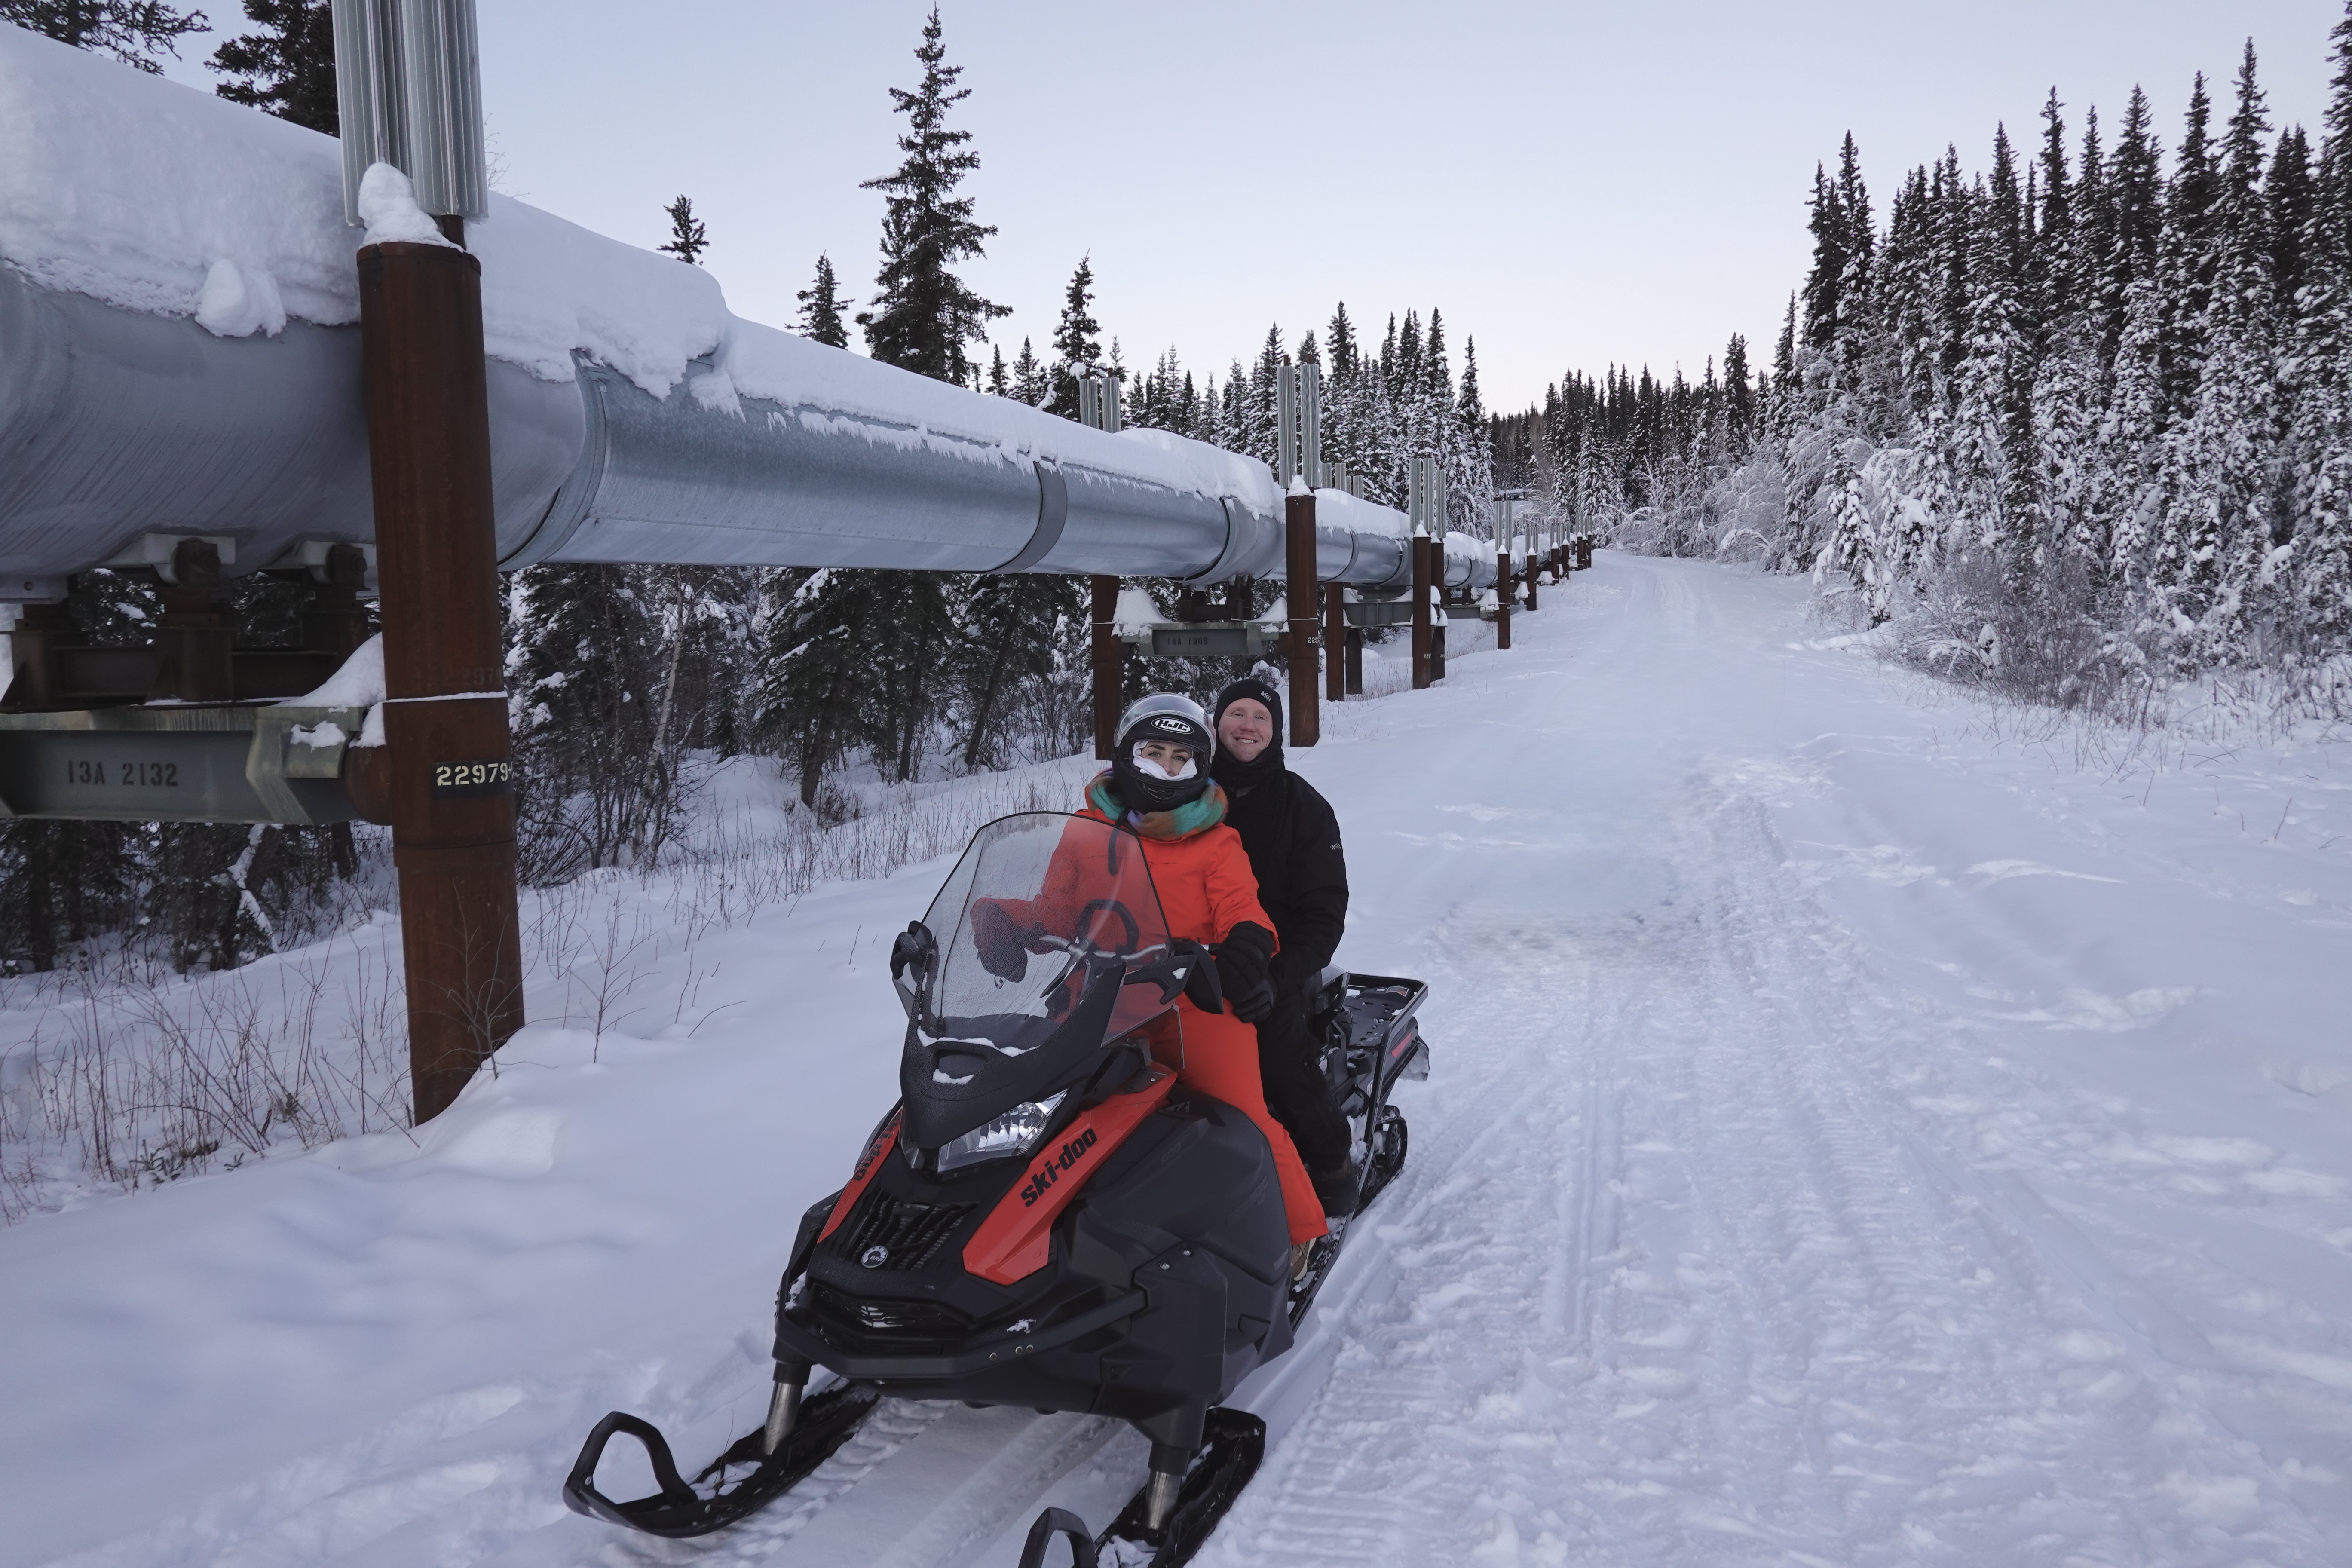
(1047, 1218)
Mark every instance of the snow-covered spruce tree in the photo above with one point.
(286, 65)
(810, 700)
(1077, 343)
(133, 31)
(1470, 459)
(2321, 430)
(822, 305)
(688, 236)
(924, 314)
(1029, 383)
(582, 653)
(2217, 531)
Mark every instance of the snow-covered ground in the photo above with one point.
(1860, 1133)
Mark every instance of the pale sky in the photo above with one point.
(1570, 183)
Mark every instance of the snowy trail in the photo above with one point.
(1691, 1270)
(1854, 1139)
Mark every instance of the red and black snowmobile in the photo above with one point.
(1047, 1218)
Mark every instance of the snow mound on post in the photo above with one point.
(387, 204)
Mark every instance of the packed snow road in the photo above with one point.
(1858, 1135)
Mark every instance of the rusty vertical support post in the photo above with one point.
(41, 631)
(1298, 596)
(445, 711)
(1535, 564)
(1355, 662)
(1420, 627)
(1110, 666)
(1504, 594)
(1335, 639)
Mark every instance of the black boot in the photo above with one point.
(1338, 1187)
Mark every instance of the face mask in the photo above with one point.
(1152, 770)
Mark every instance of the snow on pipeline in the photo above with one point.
(1857, 1135)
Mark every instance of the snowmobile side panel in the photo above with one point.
(880, 1144)
(1012, 1242)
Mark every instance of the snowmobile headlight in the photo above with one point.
(1011, 1133)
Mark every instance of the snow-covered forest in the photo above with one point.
(2076, 422)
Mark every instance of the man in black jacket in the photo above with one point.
(1293, 841)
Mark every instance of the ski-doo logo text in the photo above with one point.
(1049, 1170)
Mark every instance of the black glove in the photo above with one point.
(1242, 961)
(1002, 951)
(1201, 982)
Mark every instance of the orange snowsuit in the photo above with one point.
(1206, 889)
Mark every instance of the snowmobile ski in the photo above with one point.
(826, 1422)
(1232, 1445)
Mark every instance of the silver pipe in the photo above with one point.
(118, 424)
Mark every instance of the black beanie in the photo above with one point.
(1230, 770)
(1255, 690)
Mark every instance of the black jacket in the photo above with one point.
(1292, 836)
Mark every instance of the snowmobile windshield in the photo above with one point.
(1033, 956)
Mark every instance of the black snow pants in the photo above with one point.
(1296, 1090)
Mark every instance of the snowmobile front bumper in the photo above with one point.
(799, 1342)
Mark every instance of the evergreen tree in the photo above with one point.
(2221, 531)
(998, 384)
(811, 698)
(2320, 448)
(1341, 337)
(688, 240)
(1739, 398)
(1030, 382)
(820, 308)
(133, 31)
(286, 66)
(924, 314)
(1077, 343)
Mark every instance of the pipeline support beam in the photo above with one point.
(1298, 597)
(1335, 639)
(1422, 575)
(1109, 664)
(1502, 601)
(450, 756)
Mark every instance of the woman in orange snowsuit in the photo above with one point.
(1158, 784)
